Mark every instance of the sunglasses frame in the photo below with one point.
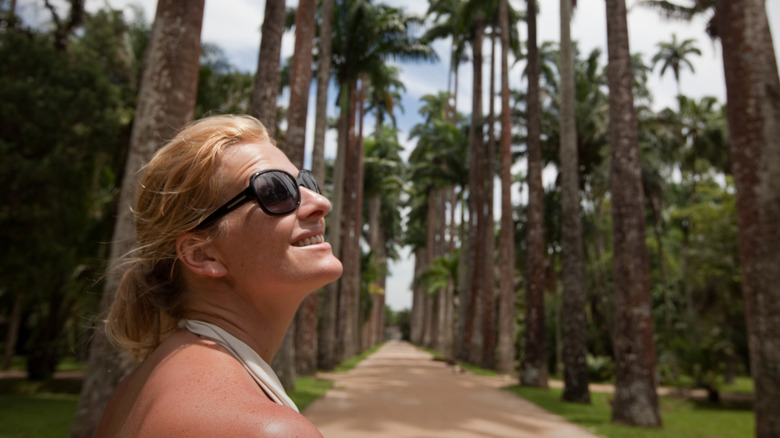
(305, 178)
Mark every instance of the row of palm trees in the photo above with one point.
(632, 326)
(363, 37)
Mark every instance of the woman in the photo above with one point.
(213, 284)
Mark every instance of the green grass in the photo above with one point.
(46, 409)
(681, 417)
(36, 415)
(348, 364)
(741, 385)
(474, 369)
(307, 390)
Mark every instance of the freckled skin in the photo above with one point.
(249, 280)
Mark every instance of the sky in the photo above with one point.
(234, 25)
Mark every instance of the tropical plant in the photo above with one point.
(674, 55)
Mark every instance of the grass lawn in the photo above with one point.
(46, 409)
(681, 417)
(307, 390)
(36, 415)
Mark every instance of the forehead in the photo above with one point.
(239, 162)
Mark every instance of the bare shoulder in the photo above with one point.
(197, 389)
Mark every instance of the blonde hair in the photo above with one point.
(178, 188)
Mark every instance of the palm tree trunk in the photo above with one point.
(489, 321)
(300, 81)
(349, 289)
(534, 370)
(573, 270)
(430, 255)
(300, 340)
(325, 337)
(753, 88)
(377, 244)
(636, 401)
(506, 319)
(263, 104)
(418, 300)
(166, 102)
(473, 336)
(12, 335)
(323, 80)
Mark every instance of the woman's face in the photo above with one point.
(283, 254)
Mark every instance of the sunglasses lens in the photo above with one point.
(277, 192)
(307, 179)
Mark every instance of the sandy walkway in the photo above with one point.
(400, 391)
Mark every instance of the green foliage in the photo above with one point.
(708, 331)
(384, 176)
(62, 122)
(222, 89)
(600, 368)
(681, 417)
(442, 272)
(400, 319)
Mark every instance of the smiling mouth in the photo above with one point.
(313, 240)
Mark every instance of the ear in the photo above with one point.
(198, 256)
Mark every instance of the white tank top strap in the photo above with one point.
(255, 365)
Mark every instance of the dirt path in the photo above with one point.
(399, 391)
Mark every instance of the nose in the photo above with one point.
(313, 204)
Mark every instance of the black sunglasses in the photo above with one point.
(276, 191)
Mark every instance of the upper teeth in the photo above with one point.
(311, 240)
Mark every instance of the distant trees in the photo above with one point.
(58, 174)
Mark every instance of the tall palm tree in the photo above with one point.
(384, 95)
(752, 89)
(447, 23)
(326, 335)
(170, 70)
(300, 351)
(636, 401)
(323, 80)
(383, 185)
(300, 81)
(534, 368)
(437, 162)
(365, 37)
(674, 55)
(573, 267)
(505, 361)
(474, 290)
(263, 103)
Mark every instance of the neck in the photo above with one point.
(262, 329)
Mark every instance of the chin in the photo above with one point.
(335, 271)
